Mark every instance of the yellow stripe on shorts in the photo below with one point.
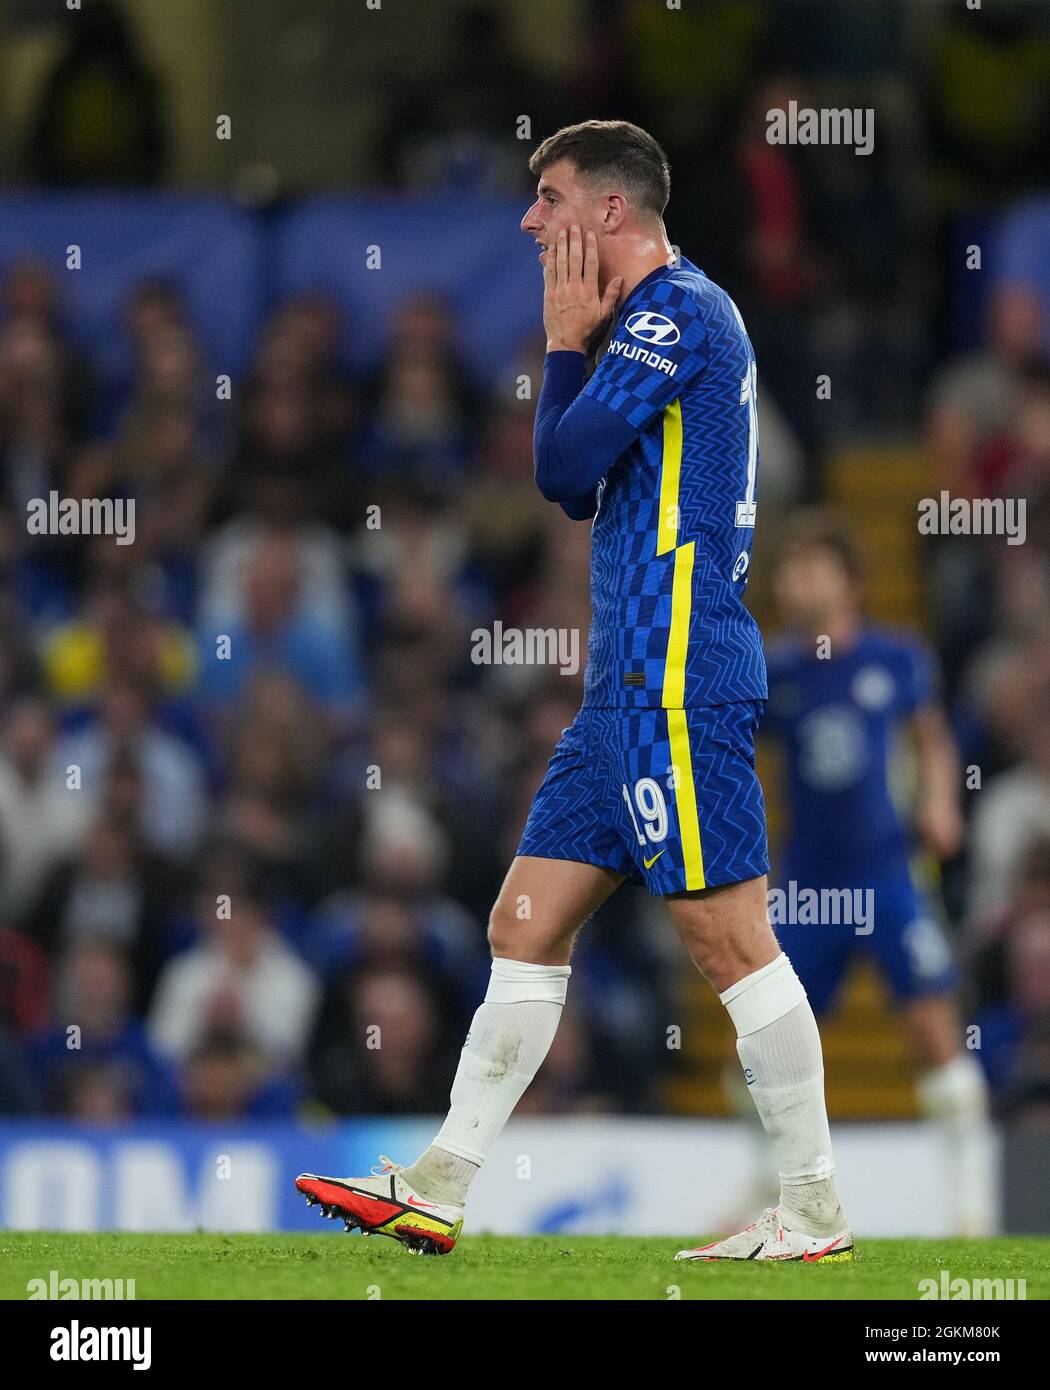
(685, 798)
(670, 475)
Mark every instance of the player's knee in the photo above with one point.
(505, 932)
(514, 935)
(717, 960)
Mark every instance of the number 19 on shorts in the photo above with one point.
(648, 804)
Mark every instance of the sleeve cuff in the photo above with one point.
(564, 371)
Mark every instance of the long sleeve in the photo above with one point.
(576, 440)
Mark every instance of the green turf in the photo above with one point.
(501, 1267)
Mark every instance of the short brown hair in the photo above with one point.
(819, 528)
(613, 151)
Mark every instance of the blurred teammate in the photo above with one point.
(655, 779)
(842, 692)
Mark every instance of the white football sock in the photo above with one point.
(956, 1095)
(779, 1048)
(441, 1176)
(508, 1039)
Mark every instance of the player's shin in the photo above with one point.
(509, 1037)
(779, 1048)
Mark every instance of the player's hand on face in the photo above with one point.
(572, 306)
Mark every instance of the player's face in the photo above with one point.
(562, 201)
(812, 587)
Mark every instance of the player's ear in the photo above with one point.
(615, 207)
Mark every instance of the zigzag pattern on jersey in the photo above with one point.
(631, 585)
(635, 388)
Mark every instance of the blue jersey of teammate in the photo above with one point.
(837, 719)
(671, 540)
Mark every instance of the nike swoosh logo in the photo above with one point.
(650, 862)
(809, 1259)
(412, 1202)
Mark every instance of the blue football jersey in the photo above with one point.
(671, 539)
(836, 720)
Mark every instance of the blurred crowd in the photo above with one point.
(987, 435)
(255, 797)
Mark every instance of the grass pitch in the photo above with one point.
(337, 1266)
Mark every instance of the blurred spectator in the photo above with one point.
(1015, 1023)
(224, 1080)
(114, 636)
(36, 427)
(404, 930)
(381, 1048)
(48, 382)
(274, 756)
(989, 437)
(98, 119)
(423, 408)
(154, 307)
(172, 809)
(240, 982)
(461, 133)
(96, 1062)
(298, 409)
(42, 819)
(1011, 813)
(25, 984)
(974, 404)
(277, 633)
(303, 342)
(113, 890)
(504, 517)
(274, 507)
(413, 820)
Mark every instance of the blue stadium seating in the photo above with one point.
(231, 264)
(471, 252)
(207, 246)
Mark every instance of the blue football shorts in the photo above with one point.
(668, 797)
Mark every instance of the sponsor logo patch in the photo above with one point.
(631, 352)
(653, 328)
